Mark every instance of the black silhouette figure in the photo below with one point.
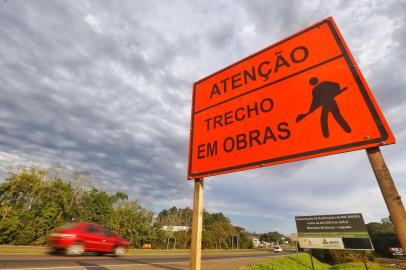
(324, 96)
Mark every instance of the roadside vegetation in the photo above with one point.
(302, 261)
(383, 236)
(34, 201)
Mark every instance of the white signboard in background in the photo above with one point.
(321, 243)
(175, 228)
(343, 231)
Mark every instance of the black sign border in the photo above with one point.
(361, 86)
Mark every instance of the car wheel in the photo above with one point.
(75, 249)
(118, 251)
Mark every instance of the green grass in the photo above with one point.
(302, 262)
(10, 249)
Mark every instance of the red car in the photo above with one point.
(77, 238)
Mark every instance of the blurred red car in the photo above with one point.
(78, 238)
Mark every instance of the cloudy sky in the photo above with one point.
(106, 87)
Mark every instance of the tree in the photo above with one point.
(383, 235)
(174, 217)
(209, 219)
(30, 204)
(245, 240)
(133, 222)
(35, 201)
(273, 236)
(217, 229)
(218, 233)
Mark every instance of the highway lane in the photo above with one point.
(169, 262)
(399, 263)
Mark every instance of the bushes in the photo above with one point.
(35, 201)
(342, 256)
(383, 236)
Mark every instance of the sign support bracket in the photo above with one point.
(389, 192)
(311, 258)
(364, 256)
(197, 222)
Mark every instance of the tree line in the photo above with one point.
(35, 201)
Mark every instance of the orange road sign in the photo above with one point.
(300, 98)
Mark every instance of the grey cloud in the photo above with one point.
(68, 100)
(276, 17)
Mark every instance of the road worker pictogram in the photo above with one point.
(324, 95)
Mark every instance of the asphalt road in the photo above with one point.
(398, 263)
(170, 262)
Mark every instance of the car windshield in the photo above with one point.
(92, 229)
(107, 232)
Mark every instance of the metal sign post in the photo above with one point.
(196, 246)
(389, 192)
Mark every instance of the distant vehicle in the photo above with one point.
(395, 252)
(277, 249)
(78, 238)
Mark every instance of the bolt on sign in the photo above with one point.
(300, 98)
(343, 231)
